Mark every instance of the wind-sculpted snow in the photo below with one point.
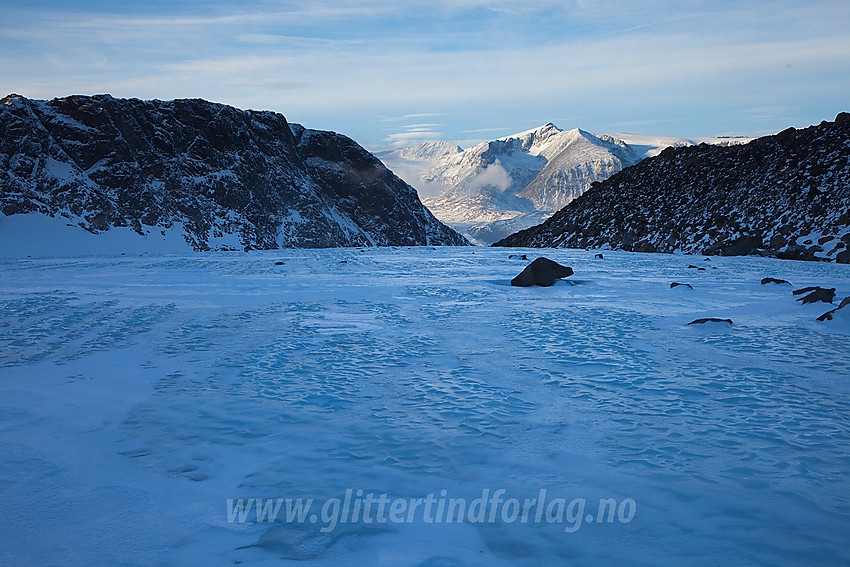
(139, 393)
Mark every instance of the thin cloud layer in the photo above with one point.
(692, 68)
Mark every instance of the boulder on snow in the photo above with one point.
(828, 315)
(815, 293)
(774, 280)
(599, 257)
(543, 272)
(743, 246)
(709, 320)
(778, 241)
(797, 252)
(645, 246)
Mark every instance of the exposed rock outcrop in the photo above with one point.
(815, 294)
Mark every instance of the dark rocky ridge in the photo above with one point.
(211, 169)
(786, 195)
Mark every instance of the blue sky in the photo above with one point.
(464, 70)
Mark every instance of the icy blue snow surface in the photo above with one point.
(139, 393)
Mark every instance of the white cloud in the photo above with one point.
(493, 177)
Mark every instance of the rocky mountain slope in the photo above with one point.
(220, 176)
(786, 195)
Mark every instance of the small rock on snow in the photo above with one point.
(709, 320)
(774, 280)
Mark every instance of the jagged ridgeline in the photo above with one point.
(205, 169)
(786, 195)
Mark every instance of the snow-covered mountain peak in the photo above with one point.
(537, 170)
(574, 160)
(534, 137)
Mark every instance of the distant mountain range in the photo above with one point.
(786, 195)
(495, 188)
(222, 178)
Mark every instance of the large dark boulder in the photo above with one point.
(543, 272)
(743, 246)
(797, 252)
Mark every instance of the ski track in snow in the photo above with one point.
(141, 392)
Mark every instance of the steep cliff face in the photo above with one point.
(384, 206)
(217, 174)
(579, 159)
(786, 195)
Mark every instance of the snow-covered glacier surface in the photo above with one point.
(140, 394)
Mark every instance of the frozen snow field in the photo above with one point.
(145, 398)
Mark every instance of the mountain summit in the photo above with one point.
(222, 178)
(521, 178)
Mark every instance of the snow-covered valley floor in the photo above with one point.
(138, 394)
